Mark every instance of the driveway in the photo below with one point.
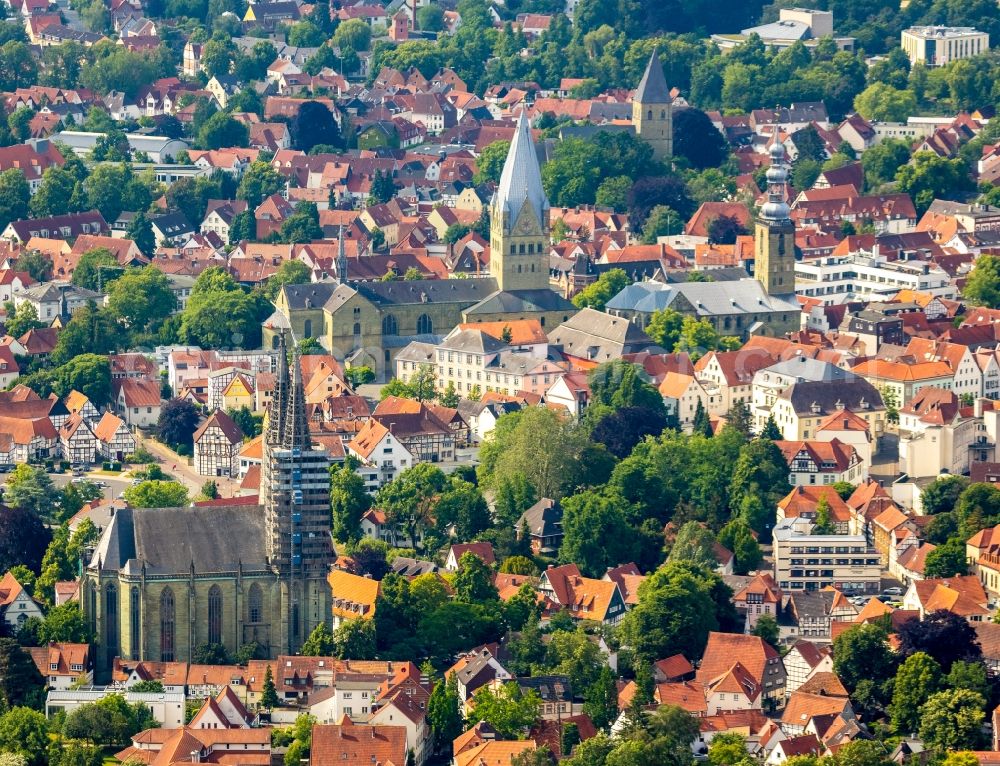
(178, 467)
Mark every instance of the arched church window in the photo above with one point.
(307, 328)
(214, 615)
(663, 114)
(134, 619)
(389, 326)
(111, 616)
(357, 328)
(167, 625)
(649, 114)
(424, 325)
(255, 604)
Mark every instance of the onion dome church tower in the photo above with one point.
(774, 235)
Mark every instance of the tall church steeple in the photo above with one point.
(341, 257)
(774, 234)
(519, 218)
(295, 493)
(652, 110)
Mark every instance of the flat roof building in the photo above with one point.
(938, 46)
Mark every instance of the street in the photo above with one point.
(178, 467)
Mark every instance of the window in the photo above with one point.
(307, 328)
(215, 615)
(167, 625)
(134, 619)
(255, 604)
(424, 325)
(389, 326)
(111, 619)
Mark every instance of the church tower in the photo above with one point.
(341, 257)
(774, 237)
(652, 110)
(295, 494)
(519, 219)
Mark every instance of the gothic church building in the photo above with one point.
(163, 581)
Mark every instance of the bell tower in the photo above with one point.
(774, 234)
(652, 110)
(519, 219)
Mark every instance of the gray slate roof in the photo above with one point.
(653, 86)
(516, 301)
(170, 540)
(521, 179)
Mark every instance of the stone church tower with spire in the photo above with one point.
(162, 583)
(653, 111)
(519, 219)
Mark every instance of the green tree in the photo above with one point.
(738, 537)
(694, 544)
(597, 294)
(30, 488)
(537, 445)
(885, 103)
(24, 731)
(59, 193)
(947, 559)
(509, 711)
(354, 640)
(302, 225)
(23, 319)
(882, 161)
(489, 163)
(348, 502)
(269, 695)
(613, 193)
(319, 643)
(665, 327)
(862, 653)
(953, 719)
(96, 268)
(141, 298)
(674, 615)
(928, 177)
(65, 623)
(823, 525)
(982, 287)
(663, 221)
(140, 231)
(727, 749)
(916, 680)
(444, 714)
(621, 384)
(259, 181)
(601, 699)
(766, 628)
(942, 494)
(596, 533)
(222, 131)
(473, 581)
(15, 196)
(156, 494)
(20, 681)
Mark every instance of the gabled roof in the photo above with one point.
(723, 649)
(137, 393)
(224, 423)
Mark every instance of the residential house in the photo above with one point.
(761, 595)
(543, 522)
(804, 660)
(402, 710)
(69, 226)
(351, 743)
(822, 462)
(583, 597)
(137, 401)
(64, 665)
(382, 455)
(418, 428)
(761, 661)
(16, 606)
(114, 438)
(78, 442)
(217, 445)
(353, 596)
(963, 595)
(482, 551)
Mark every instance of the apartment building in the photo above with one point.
(804, 561)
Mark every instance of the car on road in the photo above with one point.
(892, 591)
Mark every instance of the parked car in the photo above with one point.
(893, 591)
